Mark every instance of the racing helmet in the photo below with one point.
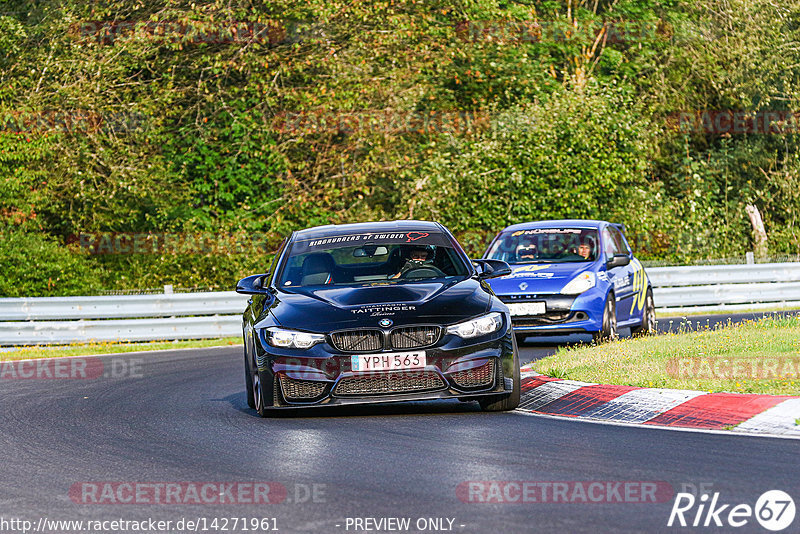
(526, 251)
(589, 241)
(428, 250)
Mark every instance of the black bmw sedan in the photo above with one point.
(377, 312)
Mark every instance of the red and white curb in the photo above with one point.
(744, 413)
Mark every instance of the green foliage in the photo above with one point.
(234, 117)
(576, 155)
(35, 264)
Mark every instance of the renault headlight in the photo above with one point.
(477, 327)
(292, 339)
(579, 284)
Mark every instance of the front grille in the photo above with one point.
(395, 382)
(301, 389)
(414, 337)
(551, 317)
(520, 298)
(476, 377)
(358, 340)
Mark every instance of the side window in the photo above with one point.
(619, 241)
(274, 265)
(625, 245)
(610, 245)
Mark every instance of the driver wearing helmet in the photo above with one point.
(526, 252)
(586, 249)
(418, 256)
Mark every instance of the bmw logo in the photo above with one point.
(386, 323)
(523, 286)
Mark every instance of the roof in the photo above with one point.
(369, 227)
(557, 223)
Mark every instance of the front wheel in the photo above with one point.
(248, 382)
(258, 395)
(649, 323)
(255, 388)
(506, 402)
(609, 328)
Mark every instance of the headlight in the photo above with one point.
(279, 337)
(579, 284)
(477, 327)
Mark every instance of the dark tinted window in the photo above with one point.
(368, 258)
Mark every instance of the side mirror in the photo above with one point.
(252, 285)
(619, 260)
(491, 268)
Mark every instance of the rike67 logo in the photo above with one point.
(774, 510)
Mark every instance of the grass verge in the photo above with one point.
(751, 357)
(691, 313)
(87, 349)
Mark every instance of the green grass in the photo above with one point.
(710, 359)
(673, 315)
(87, 349)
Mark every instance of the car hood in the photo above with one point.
(330, 308)
(538, 278)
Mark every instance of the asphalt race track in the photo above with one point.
(181, 416)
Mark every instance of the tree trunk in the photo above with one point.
(759, 233)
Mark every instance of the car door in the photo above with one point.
(638, 284)
(620, 277)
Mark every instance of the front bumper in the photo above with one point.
(322, 375)
(565, 314)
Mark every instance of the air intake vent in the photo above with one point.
(414, 337)
(358, 340)
(482, 376)
(301, 389)
(383, 383)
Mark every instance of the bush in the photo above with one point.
(34, 264)
(576, 155)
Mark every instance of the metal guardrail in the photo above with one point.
(168, 316)
(726, 287)
(723, 274)
(63, 332)
(121, 307)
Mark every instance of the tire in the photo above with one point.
(258, 395)
(255, 388)
(506, 402)
(609, 328)
(248, 382)
(649, 323)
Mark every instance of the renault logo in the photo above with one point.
(523, 286)
(386, 323)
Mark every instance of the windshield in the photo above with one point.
(364, 259)
(545, 245)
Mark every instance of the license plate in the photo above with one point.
(527, 308)
(388, 362)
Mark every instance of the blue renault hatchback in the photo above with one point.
(572, 276)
